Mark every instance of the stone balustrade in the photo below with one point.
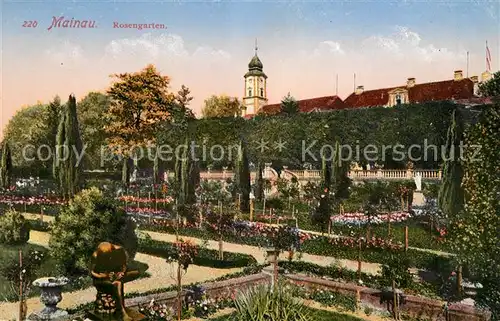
(313, 175)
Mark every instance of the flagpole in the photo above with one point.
(467, 64)
(354, 82)
(337, 86)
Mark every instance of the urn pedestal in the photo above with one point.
(51, 289)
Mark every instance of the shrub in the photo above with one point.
(263, 304)
(397, 269)
(14, 229)
(88, 220)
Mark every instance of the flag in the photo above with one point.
(488, 57)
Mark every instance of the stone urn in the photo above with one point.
(51, 288)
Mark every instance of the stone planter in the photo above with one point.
(51, 295)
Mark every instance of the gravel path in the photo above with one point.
(259, 253)
(161, 277)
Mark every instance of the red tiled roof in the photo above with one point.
(308, 105)
(419, 93)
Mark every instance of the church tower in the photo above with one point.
(255, 95)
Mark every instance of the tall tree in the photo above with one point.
(289, 105)
(6, 166)
(68, 148)
(183, 100)
(29, 127)
(140, 101)
(93, 119)
(491, 88)
(474, 231)
(451, 194)
(242, 178)
(221, 106)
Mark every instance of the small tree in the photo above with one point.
(220, 220)
(289, 105)
(185, 253)
(20, 272)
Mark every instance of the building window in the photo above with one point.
(262, 92)
(249, 92)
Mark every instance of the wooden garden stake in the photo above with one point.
(459, 280)
(251, 209)
(264, 205)
(359, 259)
(406, 238)
(329, 226)
(358, 299)
(21, 294)
(395, 302)
(389, 224)
(179, 290)
(221, 249)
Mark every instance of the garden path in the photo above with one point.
(161, 277)
(259, 253)
(48, 218)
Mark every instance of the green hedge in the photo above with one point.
(406, 125)
(427, 289)
(205, 257)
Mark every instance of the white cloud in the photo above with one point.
(328, 47)
(66, 53)
(149, 46)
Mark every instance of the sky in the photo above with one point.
(206, 45)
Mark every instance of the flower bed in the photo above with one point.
(134, 199)
(30, 200)
(204, 257)
(361, 218)
(255, 234)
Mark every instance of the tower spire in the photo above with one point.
(256, 47)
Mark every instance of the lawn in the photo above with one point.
(315, 315)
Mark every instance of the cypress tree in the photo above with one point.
(340, 174)
(259, 182)
(451, 193)
(156, 169)
(68, 146)
(185, 169)
(245, 180)
(326, 173)
(242, 178)
(126, 171)
(6, 166)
